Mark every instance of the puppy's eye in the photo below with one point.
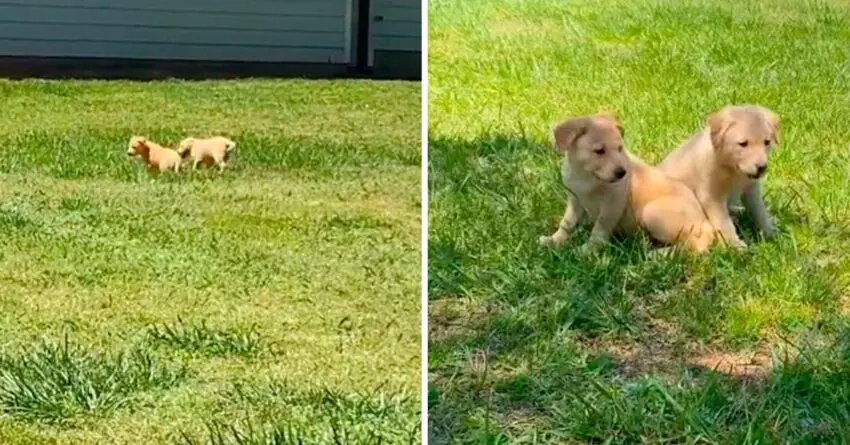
(744, 143)
(620, 148)
(767, 142)
(600, 151)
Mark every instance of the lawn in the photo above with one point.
(273, 303)
(533, 345)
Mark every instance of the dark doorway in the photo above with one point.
(364, 29)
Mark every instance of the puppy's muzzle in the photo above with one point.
(760, 171)
(618, 174)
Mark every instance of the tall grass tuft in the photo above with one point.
(199, 339)
(57, 382)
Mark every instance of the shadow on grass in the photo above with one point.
(532, 344)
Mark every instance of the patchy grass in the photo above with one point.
(530, 345)
(203, 340)
(299, 264)
(288, 415)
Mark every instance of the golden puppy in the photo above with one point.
(726, 160)
(156, 157)
(619, 192)
(211, 151)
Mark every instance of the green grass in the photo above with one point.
(529, 345)
(297, 268)
(284, 414)
(202, 340)
(60, 382)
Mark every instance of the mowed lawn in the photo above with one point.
(274, 303)
(531, 345)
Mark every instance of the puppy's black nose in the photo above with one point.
(761, 170)
(620, 172)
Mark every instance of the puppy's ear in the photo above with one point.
(718, 123)
(185, 145)
(773, 122)
(568, 131)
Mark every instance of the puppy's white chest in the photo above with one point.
(593, 197)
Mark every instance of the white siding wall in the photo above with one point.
(401, 27)
(222, 30)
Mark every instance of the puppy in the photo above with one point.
(725, 160)
(156, 157)
(619, 192)
(211, 151)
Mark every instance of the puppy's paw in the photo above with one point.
(731, 242)
(770, 231)
(738, 245)
(590, 248)
(545, 241)
(661, 252)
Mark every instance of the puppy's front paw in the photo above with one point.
(661, 252)
(545, 241)
(770, 231)
(590, 248)
(738, 244)
(732, 242)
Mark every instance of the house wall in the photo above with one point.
(399, 27)
(301, 31)
(396, 41)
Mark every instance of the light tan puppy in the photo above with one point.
(210, 151)
(156, 157)
(726, 160)
(619, 192)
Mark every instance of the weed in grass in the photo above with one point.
(283, 414)
(199, 339)
(58, 382)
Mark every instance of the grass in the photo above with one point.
(60, 382)
(202, 340)
(530, 345)
(298, 265)
(314, 415)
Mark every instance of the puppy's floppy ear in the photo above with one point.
(772, 121)
(718, 123)
(184, 145)
(568, 131)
